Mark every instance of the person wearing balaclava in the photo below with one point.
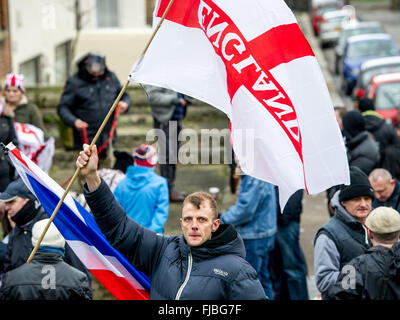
(362, 149)
(24, 210)
(88, 96)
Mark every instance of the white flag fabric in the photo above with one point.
(31, 141)
(250, 60)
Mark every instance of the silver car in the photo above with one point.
(332, 25)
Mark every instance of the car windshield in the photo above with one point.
(387, 96)
(322, 10)
(368, 74)
(338, 19)
(371, 48)
(347, 33)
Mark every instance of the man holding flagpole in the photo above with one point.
(207, 262)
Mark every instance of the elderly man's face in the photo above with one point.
(359, 207)
(13, 206)
(198, 224)
(383, 188)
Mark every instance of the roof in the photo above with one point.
(380, 62)
(387, 77)
(370, 37)
(337, 13)
(362, 24)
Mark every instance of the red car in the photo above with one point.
(384, 90)
(318, 8)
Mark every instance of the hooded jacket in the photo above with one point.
(144, 196)
(26, 282)
(384, 133)
(377, 276)
(89, 98)
(215, 270)
(363, 151)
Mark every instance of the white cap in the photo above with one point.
(52, 238)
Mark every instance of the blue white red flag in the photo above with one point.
(82, 234)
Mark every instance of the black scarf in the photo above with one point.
(26, 214)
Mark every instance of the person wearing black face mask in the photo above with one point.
(24, 210)
(87, 97)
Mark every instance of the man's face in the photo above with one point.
(13, 95)
(198, 224)
(13, 206)
(359, 207)
(383, 188)
(339, 119)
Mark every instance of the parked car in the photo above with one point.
(353, 29)
(360, 49)
(384, 90)
(318, 8)
(372, 68)
(331, 25)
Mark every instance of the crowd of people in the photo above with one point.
(250, 251)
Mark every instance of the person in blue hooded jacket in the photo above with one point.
(143, 194)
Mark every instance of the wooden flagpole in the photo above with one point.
(99, 131)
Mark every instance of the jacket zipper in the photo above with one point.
(189, 270)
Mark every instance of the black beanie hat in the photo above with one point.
(353, 123)
(365, 104)
(359, 186)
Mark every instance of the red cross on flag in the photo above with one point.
(250, 60)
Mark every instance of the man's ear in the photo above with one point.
(215, 225)
(370, 234)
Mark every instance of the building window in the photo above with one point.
(31, 70)
(63, 60)
(107, 13)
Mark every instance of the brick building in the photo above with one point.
(5, 52)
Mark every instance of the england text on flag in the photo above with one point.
(250, 60)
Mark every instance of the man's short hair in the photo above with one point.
(380, 173)
(198, 198)
(387, 238)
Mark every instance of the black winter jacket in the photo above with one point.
(33, 281)
(384, 133)
(377, 276)
(363, 152)
(89, 99)
(7, 135)
(215, 270)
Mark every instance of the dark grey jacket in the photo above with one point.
(33, 281)
(376, 276)
(214, 271)
(162, 102)
(363, 152)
